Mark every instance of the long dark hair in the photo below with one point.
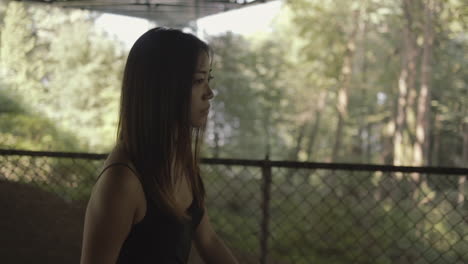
(154, 122)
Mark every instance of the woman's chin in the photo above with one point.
(199, 123)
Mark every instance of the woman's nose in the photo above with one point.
(209, 94)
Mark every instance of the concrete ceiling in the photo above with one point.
(170, 13)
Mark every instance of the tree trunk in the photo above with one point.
(365, 126)
(406, 97)
(436, 141)
(294, 155)
(315, 128)
(216, 132)
(462, 179)
(421, 146)
(406, 89)
(368, 149)
(400, 117)
(387, 156)
(343, 90)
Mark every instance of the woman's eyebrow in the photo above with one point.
(204, 72)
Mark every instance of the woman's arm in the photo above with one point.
(210, 247)
(109, 216)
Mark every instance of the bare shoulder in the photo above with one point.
(109, 215)
(116, 181)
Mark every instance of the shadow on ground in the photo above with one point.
(39, 227)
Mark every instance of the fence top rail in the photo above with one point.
(338, 166)
(52, 154)
(259, 163)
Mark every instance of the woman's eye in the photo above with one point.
(199, 81)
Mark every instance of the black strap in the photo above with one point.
(118, 163)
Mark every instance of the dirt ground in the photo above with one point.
(39, 227)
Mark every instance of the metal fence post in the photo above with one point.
(266, 189)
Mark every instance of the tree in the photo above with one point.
(64, 69)
(249, 87)
(232, 128)
(16, 46)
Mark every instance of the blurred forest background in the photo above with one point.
(375, 81)
(371, 81)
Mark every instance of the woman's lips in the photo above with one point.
(206, 110)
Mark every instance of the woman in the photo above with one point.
(148, 202)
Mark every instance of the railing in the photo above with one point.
(295, 212)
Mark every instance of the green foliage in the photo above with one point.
(310, 222)
(268, 88)
(234, 111)
(251, 98)
(17, 41)
(30, 132)
(64, 70)
(85, 83)
(21, 128)
(9, 101)
(234, 211)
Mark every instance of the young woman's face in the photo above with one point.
(201, 91)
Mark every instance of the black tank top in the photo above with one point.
(158, 238)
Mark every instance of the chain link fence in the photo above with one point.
(279, 212)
